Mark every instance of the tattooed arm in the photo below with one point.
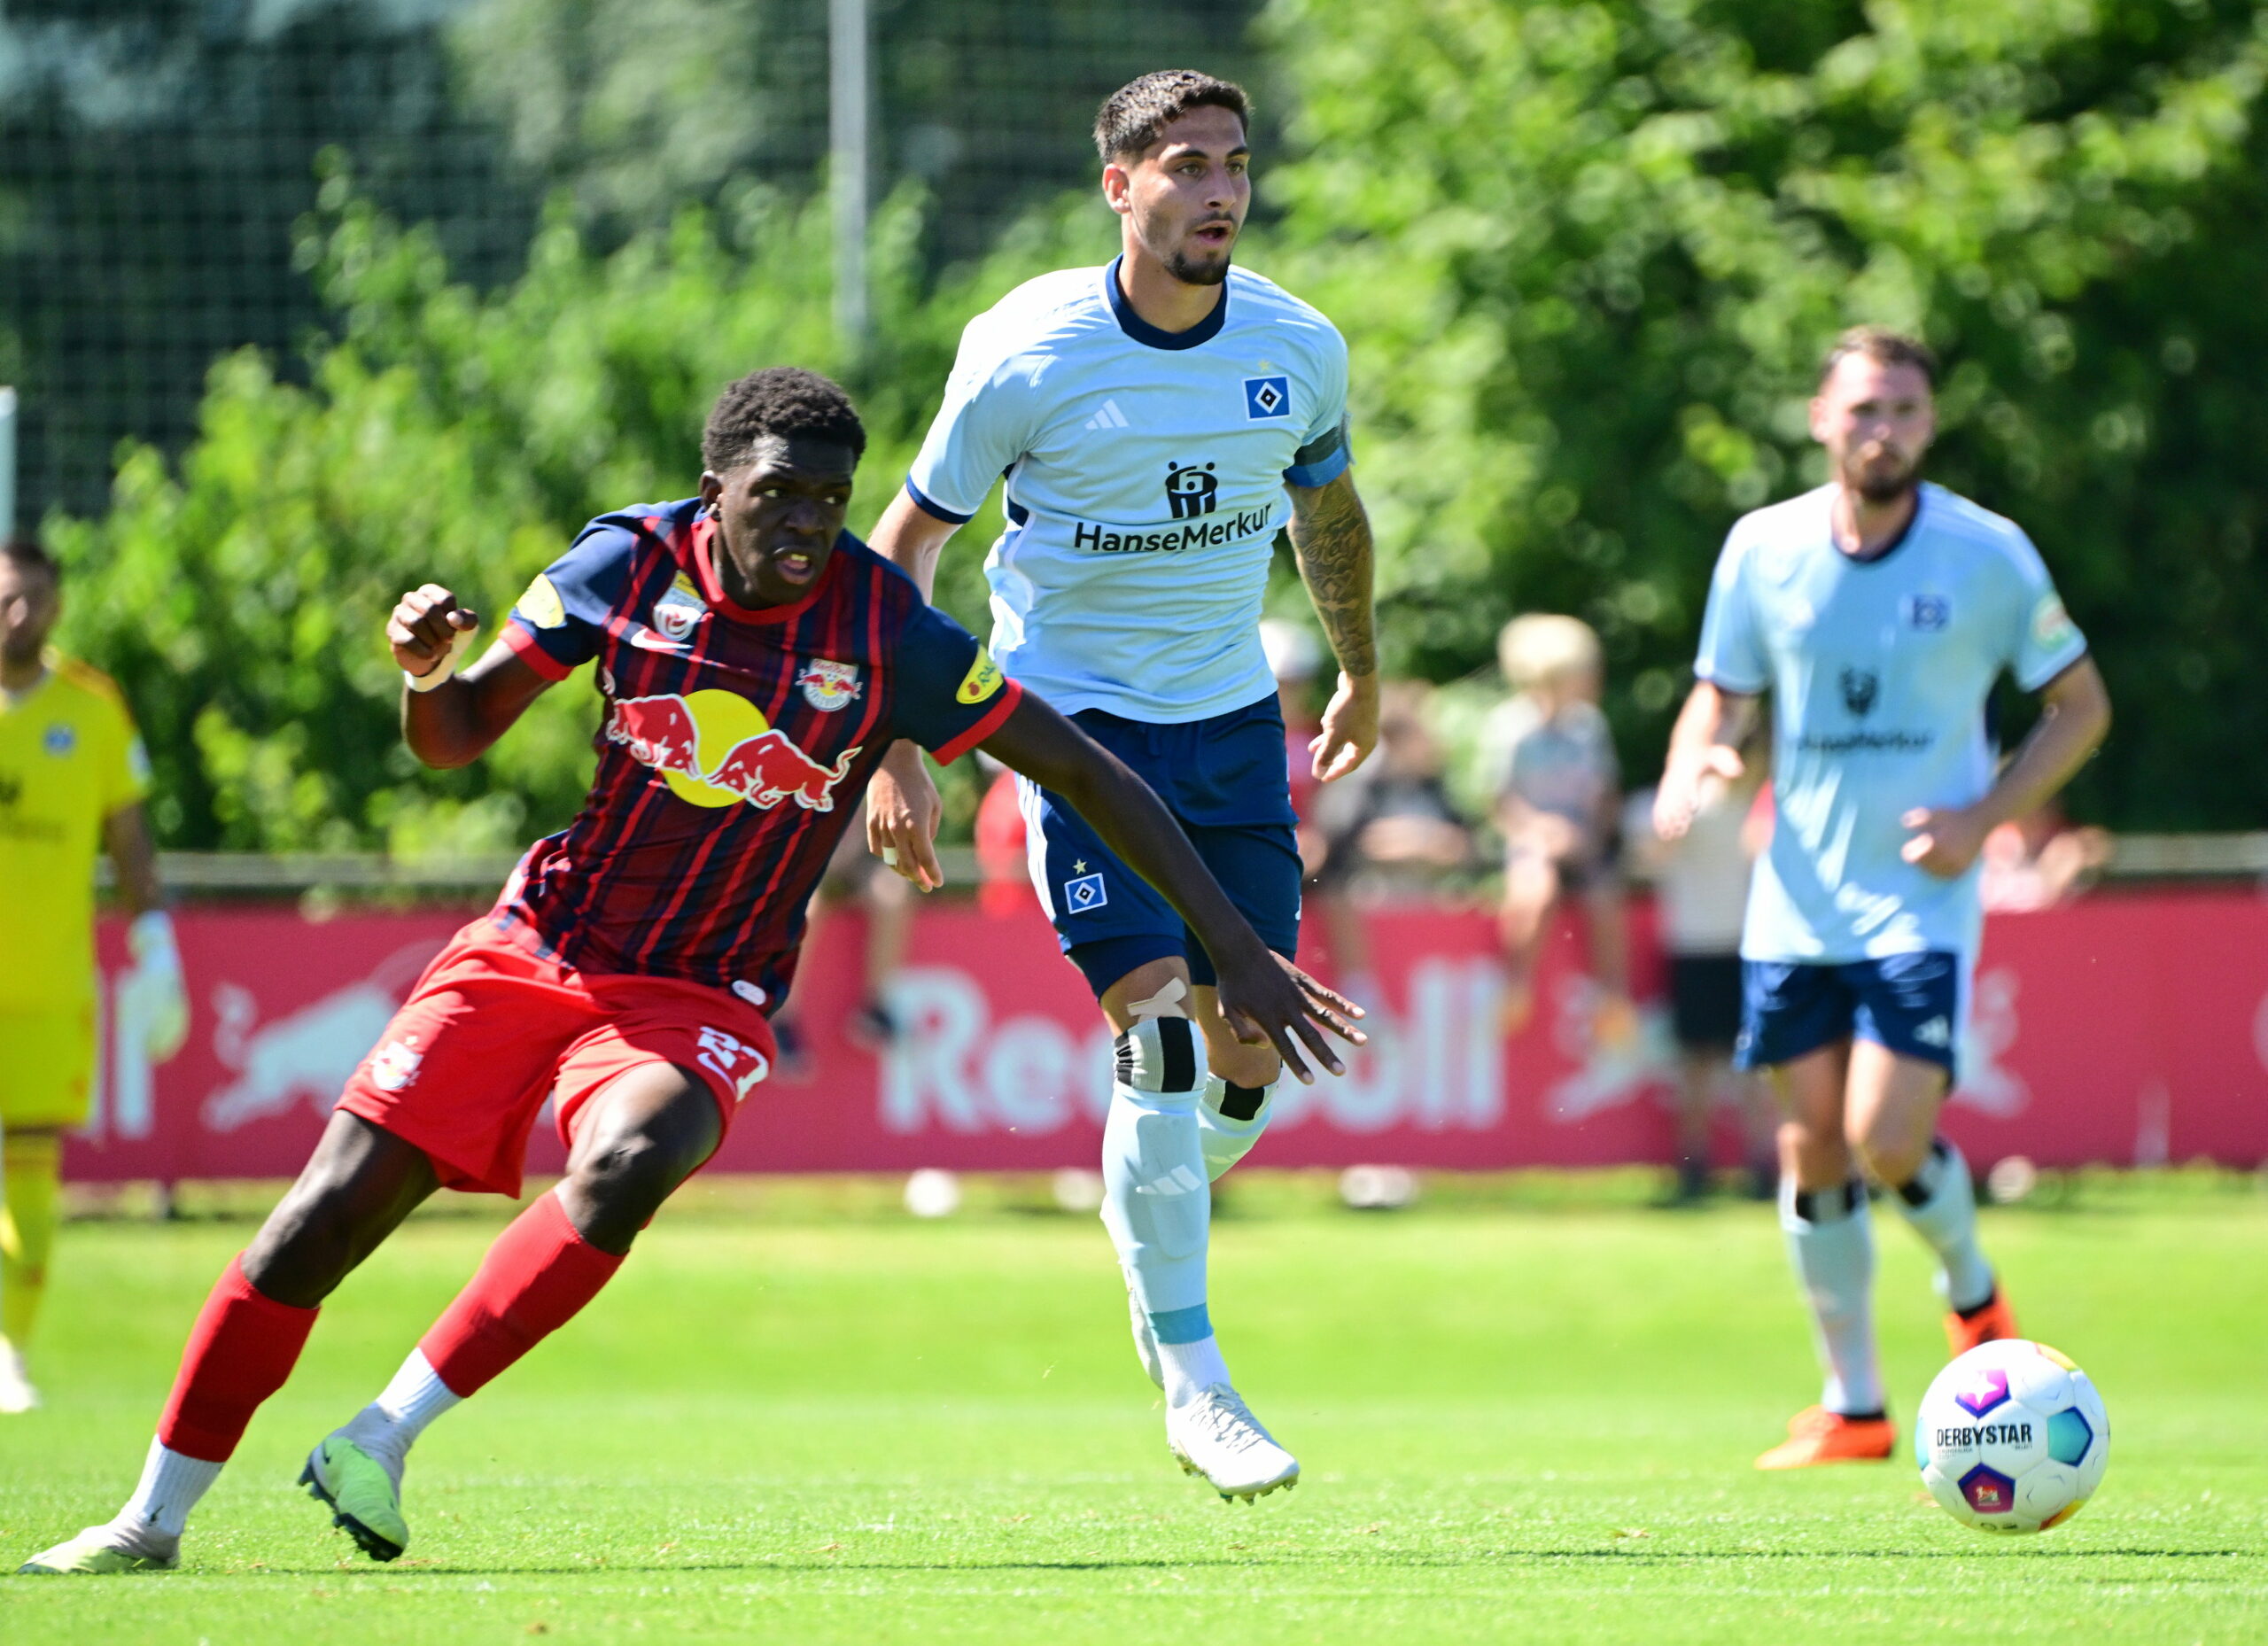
(1331, 535)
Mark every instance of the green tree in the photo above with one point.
(240, 596)
(1586, 255)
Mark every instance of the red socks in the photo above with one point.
(535, 1279)
(242, 1348)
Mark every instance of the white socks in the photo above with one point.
(1941, 1205)
(1830, 1240)
(171, 1485)
(389, 1425)
(1230, 1120)
(1192, 1368)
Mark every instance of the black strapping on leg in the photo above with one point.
(1242, 1103)
(1916, 1189)
(1178, 1042)
(1828, 1206)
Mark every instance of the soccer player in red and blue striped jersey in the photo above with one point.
(755, 663)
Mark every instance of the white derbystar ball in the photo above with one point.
(2012, 1437)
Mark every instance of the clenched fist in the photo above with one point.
(428, 629)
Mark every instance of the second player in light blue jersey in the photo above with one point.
(1878, 613)
(1157, 422)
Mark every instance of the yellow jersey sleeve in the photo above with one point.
(121, 765)
(69, 757)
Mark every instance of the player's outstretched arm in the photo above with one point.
(1331, 538)
(2075, 718)
(1264, 997)
(902, 807)
(1704, 744)
(450, 719)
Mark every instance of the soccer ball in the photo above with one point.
(2012, 1437)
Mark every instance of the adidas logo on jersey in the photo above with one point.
(1936, 1032)
(1109, 418)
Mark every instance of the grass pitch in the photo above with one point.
(1526, 1411)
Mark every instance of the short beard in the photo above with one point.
(1882, 488)
(1190, 272)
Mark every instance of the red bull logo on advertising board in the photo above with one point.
(716, 749)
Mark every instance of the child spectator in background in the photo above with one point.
(1385, 828)
(1558, 793)
(1700, 898)
(2039, 860)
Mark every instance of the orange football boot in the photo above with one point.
(1989, 1321)
(1816, 1435)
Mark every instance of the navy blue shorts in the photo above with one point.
(1910, 1004)
(1227, 784)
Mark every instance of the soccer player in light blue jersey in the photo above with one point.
(1158, 420)
(1878, 612)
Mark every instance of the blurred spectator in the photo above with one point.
(1388, 826)
(1295, 657)
(1003, 876)
(1700, 898)
(2041, 860)
(852, 873)
(1557, 800)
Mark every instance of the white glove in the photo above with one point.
(160, 1000)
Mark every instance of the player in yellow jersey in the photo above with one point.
(72, 777)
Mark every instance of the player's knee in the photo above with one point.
(1814, 1157)
(633, 1172)
(1889, 1159)
(1242, 1065)
(307, 1246)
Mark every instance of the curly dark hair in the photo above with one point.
(1132, 116)
(782, 401)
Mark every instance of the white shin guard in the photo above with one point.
(1157, 1199)
(1830, 1241)
(1230, 1120)
(1941, 1206)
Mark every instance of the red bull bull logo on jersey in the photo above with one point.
(715, 749)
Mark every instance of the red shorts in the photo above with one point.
(492, 1028)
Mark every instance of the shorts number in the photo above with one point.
(721, 1051)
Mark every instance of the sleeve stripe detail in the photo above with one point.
(929, 505)
(530, 651)
(1321, 472)
(1724, 683)
(1011, 695)
(2062, 663)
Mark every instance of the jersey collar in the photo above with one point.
(713, 588)
(1143, 332)
(1905, 535)
(12, 697)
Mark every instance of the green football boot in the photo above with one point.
(364, 1501)
(99, 1551)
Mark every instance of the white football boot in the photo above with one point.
(16, 1393)
(104, 1551)
(1215, 1435)
(1146, 1342)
